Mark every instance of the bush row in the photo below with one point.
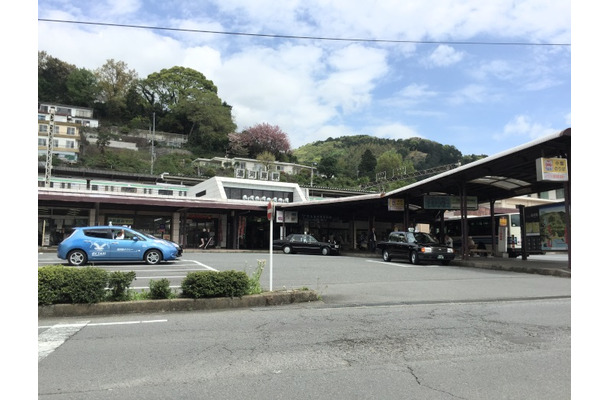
(68, 285)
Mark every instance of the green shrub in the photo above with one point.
(52, 284)
(254, 282)
(118, 283)
(58, 284)
(160, 289)
(204, 284)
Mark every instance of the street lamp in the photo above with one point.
(49, 163)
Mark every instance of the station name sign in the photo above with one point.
(552, 169)
(449, 203)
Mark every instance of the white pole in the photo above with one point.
(271, 248)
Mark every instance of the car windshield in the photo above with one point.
(422, 237)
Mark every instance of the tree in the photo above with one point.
(186, 102)
(82, 88)
(103, 140)
(267, 158)
(328, 166)
(388, 162)
(114, 80)
(52, 78)
(259, 138)
(367, 165)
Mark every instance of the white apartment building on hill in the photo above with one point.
(67, 123)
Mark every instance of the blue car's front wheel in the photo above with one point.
(153, 257)
(77, 258)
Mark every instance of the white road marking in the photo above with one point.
(203, 265)
(104, 323)
(404, 265)
(55, 336)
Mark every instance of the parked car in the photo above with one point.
(303, 243)
(115, 243)
(415, 247)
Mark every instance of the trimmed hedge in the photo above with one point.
(59, 284)
(204, 284)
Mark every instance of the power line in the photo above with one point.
(302, 37)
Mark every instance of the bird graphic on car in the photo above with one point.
(97, 249)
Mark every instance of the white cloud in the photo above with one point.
(444, 56)
(522, 126)
(471, 94)
(394, 131)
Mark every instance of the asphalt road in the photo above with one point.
(381, 331)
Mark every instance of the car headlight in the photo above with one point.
(449, 250)
(426, 249)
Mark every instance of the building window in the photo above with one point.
(70, 144)
(42, 142)
(43, 128)
(165, 192)
(71, 130)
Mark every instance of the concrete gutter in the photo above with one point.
(173, 305)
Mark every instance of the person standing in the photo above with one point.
(205, 237)
(372, 240)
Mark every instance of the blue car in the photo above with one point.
(115, 243)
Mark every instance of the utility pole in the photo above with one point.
(49, 164)
(152, 146)
(313, 165)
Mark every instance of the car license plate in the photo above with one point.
(440, 257)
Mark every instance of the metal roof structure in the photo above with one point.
(504, 175)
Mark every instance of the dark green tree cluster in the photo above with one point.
(178, 100)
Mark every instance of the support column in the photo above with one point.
(464, 221)
(175, 232)
(494, 228)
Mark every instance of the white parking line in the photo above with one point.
(404, 265)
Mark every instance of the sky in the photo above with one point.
(436, 69)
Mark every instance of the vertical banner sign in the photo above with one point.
(270, 210)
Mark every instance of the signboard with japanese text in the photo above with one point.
(552, 169)
(396, 204)
(449, 203)
(288, 217)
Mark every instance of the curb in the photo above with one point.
(172, 305)
(515, 268)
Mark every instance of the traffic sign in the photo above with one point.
(269, 211)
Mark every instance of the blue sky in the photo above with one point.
(417, 79)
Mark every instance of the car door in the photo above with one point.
(97, 244)
(299, 243)
(129, 248)
(312, 246)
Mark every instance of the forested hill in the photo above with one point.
(347, 154)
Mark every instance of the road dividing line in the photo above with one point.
(55, 336)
